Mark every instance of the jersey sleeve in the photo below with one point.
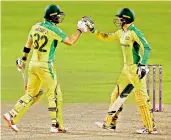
(59, 35)
(108, 36)
(144, 45)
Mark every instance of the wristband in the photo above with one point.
(26, 50)
(93, 30)
(24, 58)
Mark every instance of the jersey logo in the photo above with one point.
(125, 45)
(127, 38)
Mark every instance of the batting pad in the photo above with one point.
(59, 106)
(143, 105)
(21, 107)
(146, 117)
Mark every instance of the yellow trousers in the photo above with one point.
(129, 76)
(41, 75)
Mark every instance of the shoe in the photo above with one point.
(55, 129)
(8, 119)
(146, 131)
(103, 126)
(61, 130)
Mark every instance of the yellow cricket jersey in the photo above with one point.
(131, 42)
(46, 37)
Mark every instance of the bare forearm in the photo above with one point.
(73, 38)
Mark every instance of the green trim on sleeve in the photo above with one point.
(52, 51)
(145, 44)
(146, 56)
(55, 29)
(61, 34)
(135, 52)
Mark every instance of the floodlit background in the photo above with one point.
(88, 70)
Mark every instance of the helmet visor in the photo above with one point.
(117, 21)
(57, 18)
(61, 17)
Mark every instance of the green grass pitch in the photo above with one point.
(88, 70)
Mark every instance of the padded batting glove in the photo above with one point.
(20, 64)
(82, 27)
(141, 70)
(89, 23)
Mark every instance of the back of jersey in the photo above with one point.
(46, 37)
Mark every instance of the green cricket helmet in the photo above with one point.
(54, 14)
(124, 16)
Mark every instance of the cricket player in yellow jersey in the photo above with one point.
(133, 74)
(44, 38)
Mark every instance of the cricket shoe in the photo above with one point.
(8, 119)
(103, 126)
(146, 131)
(56, 129)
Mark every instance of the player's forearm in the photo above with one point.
(27, 49)
(147, 50)
(73, 38)
(146, 55)
(25, 53)
(105, 36)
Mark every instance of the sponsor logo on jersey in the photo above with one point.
(39, 29)
(125, 45)
(127, 38)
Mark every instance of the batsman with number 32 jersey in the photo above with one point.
(132, 41)
(44, 37)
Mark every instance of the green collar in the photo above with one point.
(131, 27)
(48, 22)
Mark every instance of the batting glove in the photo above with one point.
(89, 23)
(82, 27)
(20, 64)
(141, 70)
